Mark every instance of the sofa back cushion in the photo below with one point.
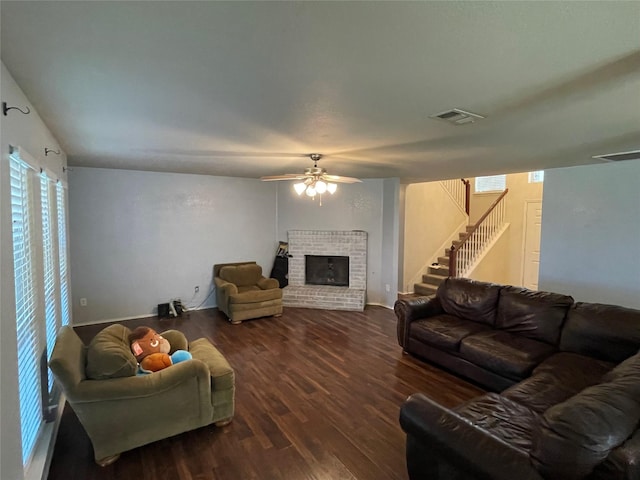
(242, 275)
(606, 332)
(109, 354)
(536, 315)
(631, 366)
(575, 436)
(469, 299)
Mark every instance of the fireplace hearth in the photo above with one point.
(327, 270)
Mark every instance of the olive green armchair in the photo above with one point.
(121, 410)
(243, 293)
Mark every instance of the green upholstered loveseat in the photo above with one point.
(243, 293)
(120, 410)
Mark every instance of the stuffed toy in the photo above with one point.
(152, 351)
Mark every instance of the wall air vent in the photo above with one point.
(618, 157)
(457, 116)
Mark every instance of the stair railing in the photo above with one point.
(474, 242)
(460, 191)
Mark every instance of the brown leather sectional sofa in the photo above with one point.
(568, 376)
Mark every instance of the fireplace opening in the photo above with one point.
(327, 270)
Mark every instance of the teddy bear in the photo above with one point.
(152, 351)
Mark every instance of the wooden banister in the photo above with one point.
(467, 194)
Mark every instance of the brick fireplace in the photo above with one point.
(351, 244)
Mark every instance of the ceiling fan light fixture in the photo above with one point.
(321, 187)
(314, 181)
(299, 187)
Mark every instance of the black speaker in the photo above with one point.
(163, 310)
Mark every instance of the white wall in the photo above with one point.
(31, 134)
(590, 246)
(142, 238)
(390, 240)
(511, 247)
(357, 206)
(431, 217)
(495, 265)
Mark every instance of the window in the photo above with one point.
(49, 261)
(28, 336)
(62, 254)
(41, 278)
(536, 177)
(494, 183)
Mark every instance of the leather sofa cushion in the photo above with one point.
(542, 391)
(242, 275)
(504, 353)
(109, 354)
(469, 299)
(502, 418)
(631, 366)
(622, 463)
(444, 331)
(607, 332)
(537, 315)
(574, 370)
(575, 436)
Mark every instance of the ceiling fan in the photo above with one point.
(314, 181)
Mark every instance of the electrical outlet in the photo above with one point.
(83, 302)
(387, 287)
(197, 289)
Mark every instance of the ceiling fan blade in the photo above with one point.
(286, 176)
(339, 179)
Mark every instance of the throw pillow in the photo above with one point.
(109, 354)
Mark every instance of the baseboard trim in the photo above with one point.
(133, 317)
(380, 305)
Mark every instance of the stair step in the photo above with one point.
(468, 242)
(432, 279)
(444, 261)
(439, 270)
(424, 289)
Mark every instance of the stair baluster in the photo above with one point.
(473, 243)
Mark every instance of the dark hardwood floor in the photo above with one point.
(317, 397)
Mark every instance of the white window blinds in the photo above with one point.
(50, 261)
(28, 340)
(63, 264)
(536, 177)
(493, 183)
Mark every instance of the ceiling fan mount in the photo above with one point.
(312, 174)
(314, 180)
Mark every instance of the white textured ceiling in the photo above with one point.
(248, 88)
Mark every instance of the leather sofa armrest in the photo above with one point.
(447, 437)
(413, 309)
(140, 386)
(268, 283)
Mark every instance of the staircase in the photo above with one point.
(437, 272)
(465, 252)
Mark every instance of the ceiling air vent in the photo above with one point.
(618, 157)
(457, 116)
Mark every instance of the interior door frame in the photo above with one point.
(524, 235)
